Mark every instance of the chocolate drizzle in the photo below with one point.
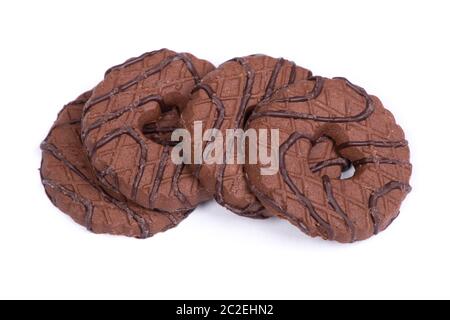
(132, 61)
(248, 87)
(87, 204)
(316, 91)
(268, 201)
(220, 108)
(150, 129)
(159, 175)
(249, 73)
(131, 132)
(147, 73)
(379, 160)
(117, 114)
(161, 132)
(344, 163)
(176, 188)
(341, 162)
(53, 150)
(378, 144)
(273, 79)
(220, 116)
(101, 176)
(293, 74)
(329, 192)
(246, 95)
(323, 225)
(376, 195)
(336, 207)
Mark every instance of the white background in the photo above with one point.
(51, 51)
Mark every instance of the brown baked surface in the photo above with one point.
(72, 186)
(131, 96)
(223, 100)
(364, 132)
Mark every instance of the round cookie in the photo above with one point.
(72, 186)
(223, 100)
(133, 162)
(365, 133)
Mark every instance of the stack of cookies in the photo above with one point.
(108, 161)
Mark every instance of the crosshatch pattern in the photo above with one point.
(131, 95)
(223, 100)
(342, 210)
(72, 186)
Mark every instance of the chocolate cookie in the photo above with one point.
(131, 97)
(365, 133)
(223, 100)
(72, 186)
